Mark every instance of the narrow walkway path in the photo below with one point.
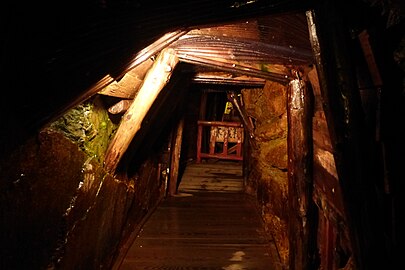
(218, 176)
(203, 230)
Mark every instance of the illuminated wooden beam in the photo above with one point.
(133, 75)
(234, 67)
(228, 78)
(120, 107)
(233, 98)
(300, 182)
(129, 83)
(157, 77)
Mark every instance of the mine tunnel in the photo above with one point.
(273, 129)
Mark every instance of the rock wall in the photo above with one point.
(267, 179)
(59, 209)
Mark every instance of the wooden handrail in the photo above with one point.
(220, 123)
(225, 153)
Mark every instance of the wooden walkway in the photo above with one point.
(219, 176)
(210, 229)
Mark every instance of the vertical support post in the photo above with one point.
(300, 184)
(175, 158)
(199, 142)
(213, 136)
(203, 105)
(225, 147)
(240, 142)
(331, 40)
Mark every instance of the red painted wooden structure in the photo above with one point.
(225, 140)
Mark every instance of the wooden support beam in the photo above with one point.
(232, 97)
(130, 83)
(155, 80)
(300, 182)
(370, 59)
(133, 75)
(175, 158)
(375, 76)
(227, 78)
(219, 123)
(120, 107)
(233, 67)
(330, 39)
(199, 142)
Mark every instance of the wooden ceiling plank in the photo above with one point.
(227, 78)
(234, 67)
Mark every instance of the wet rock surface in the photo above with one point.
(59, 208)
(267, 179)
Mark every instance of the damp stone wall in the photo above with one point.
(59, 208)
(267, 176)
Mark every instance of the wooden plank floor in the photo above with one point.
(220, 176)
(203, 229)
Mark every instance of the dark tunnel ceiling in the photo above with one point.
(241, 48)
(53, 51)
(262, 40)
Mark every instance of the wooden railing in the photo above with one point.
(225, 140)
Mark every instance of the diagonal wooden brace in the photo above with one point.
(156, 78)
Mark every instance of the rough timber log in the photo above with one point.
(301, 206)
(341, 102)
(175, 157)
(232, 96)
(129, 84)
(120, 107)
(131, 121)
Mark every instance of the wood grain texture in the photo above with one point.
(219, 176)
(154, 82)
(208, 230)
